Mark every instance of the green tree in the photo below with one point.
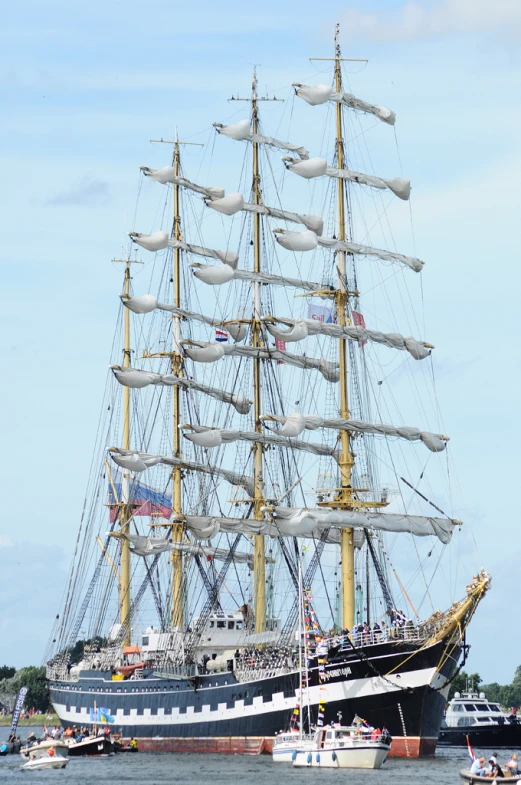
(464, 681)
(7, 672)
(37, 687)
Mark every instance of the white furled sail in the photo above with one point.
(214, 437)
(207, 352)
(137, 379)
(320, 94)
(228, 205)
(435, 442)
(317, 167)
(140, 461)
(305, 242)
(295, 522)
(313, 222)
(301, 328)
(160, 240)
(149, 546)
(215, 276)
(241, 133)
(311, 522)
(227, 257)
(398, 185)
(167, 175)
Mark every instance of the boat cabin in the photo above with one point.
(470, 708)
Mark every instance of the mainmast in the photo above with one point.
(259, 556)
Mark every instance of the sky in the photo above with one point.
(84, 88)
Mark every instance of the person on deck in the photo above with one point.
(478, 767)
(133, 744)
(495, 768)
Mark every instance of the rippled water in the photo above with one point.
(158, 768)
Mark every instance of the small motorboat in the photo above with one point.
(41, 749)
(471, 778)
(345, 747)
(92, 745)
(287, 743)
(45, 762)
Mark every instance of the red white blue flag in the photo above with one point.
(358, 321)
(221, 336)
(471, 751)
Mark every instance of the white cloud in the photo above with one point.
(88, 192)
(448, 17)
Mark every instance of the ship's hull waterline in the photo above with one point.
(218, 713)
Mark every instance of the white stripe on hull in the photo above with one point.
(353, 689)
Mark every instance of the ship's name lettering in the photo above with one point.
(340, 672)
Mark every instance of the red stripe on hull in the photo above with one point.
(410, 747)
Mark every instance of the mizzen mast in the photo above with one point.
(125, 508)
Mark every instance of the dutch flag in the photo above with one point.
(221, 336)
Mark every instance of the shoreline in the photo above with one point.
(36, 721)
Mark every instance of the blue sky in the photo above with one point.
(85, 87)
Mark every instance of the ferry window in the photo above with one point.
(231, 625)
(329, 735)
(145, 640)
(466, 721)
(221, 625)
(238, 625)
(470, 707)
(493, 707)
(457, 707)
(212, 624)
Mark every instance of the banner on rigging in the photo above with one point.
(322, 313)
(359, 321)
(18, 708)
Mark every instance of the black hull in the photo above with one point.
(409, 701)
(507, 736)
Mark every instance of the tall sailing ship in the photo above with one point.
(208, 495)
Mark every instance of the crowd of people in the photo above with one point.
(480, 768)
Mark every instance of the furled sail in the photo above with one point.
(301, 328)
(149, 546)
(294, 424)
(215, 276)
(167, 175)
(313, 222)
(311, 522)
(136, 461)
(305, 241)
(317, 167)
(214, 437)
(241, 132)
(135, 378)
(294, 522)
(320, 94)
(160, 240)
(207, 352)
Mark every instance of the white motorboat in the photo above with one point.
(45, 762)
(41, 749)
(287, 743)
(345, 747)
